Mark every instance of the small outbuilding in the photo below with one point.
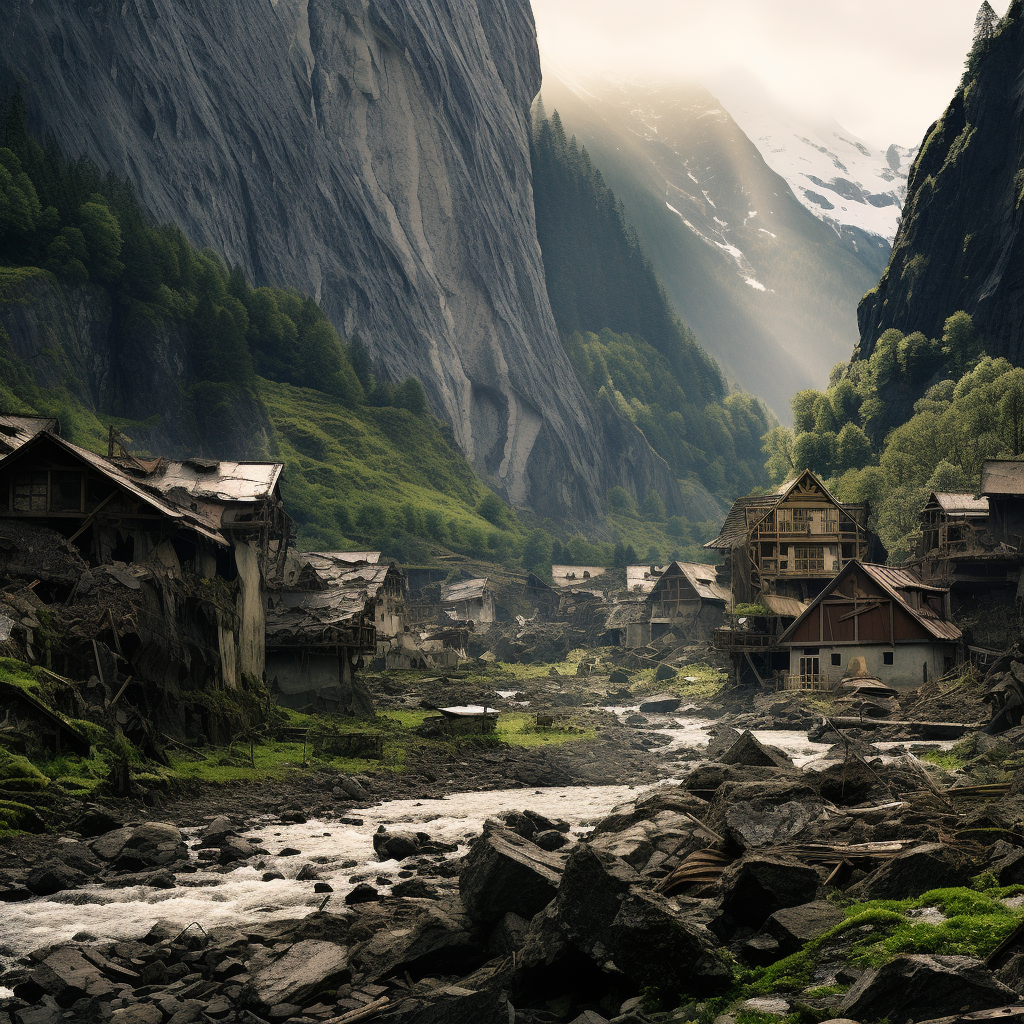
(688, 599)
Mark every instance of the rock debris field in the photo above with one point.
(740, 860)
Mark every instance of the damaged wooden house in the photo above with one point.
(154, 569)
(792, 542)
(333, 612)
(975, 542)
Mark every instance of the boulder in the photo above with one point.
(749, 750)
(305, 970)
(758, 885)
(216, 832)
(788, 930)
(634, 845)
(467, 1008)
(709, 777)
(433, 937)
(661, 703)
(913, 872)
(416, 888)
(233, 849)
(362, 893)
(655, 943)
(919, 987)
(1007, 863)
(668, 798)
(551, 840)
(68, 976)
(504, 872)
(593, 887)
(755, 824)
(96, 821)
(722, 738)
(53, 877)
(846, 784)
(395, 845)
(152, 845)
(508, 935)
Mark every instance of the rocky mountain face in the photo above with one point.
(373, 153)
(767, 288)
(961, 242)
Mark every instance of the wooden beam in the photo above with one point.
(860, 611)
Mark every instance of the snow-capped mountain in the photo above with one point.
(843, 180)
(769, 289)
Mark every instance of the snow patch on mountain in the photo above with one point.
(843, 180)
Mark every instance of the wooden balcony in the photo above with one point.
(811, 681)
(727, 639)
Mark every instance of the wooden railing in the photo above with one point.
(809, 681)
(726, 639)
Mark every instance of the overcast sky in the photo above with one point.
(885, 69)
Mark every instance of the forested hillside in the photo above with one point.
(625, 341)
(258, 372)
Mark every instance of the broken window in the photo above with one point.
(65, 491)
(30, 492)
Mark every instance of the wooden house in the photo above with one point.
(191, 544)
(688, 599)
(470, 601)
(640, 579)
(891, 618)
(576, 575)
(792, 542)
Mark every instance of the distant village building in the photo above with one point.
(576, 575)
(792, 542)
(689, 600)
(891, 618)
(331, 614)
(470, 601)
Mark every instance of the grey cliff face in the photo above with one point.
(371, 152)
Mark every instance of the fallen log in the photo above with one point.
(928, 730)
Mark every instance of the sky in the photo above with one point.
(884, 69)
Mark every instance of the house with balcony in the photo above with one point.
(793, 542)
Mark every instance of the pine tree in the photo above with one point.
(985, 24)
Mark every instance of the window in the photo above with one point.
(830, 520)
(65, 491)
(785, 520)
(30, 492)
(837, 659)
(810, 560)
(887, 657)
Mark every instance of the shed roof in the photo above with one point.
(465, 590)
(788, 607)
(1002, 476)
(209, 480)
(16, 430)
(956, 503)
(703, 579)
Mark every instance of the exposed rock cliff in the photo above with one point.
(961, 242)
(372, 152)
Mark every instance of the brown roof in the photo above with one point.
(16, 430)
(892, 581)
(703, 579)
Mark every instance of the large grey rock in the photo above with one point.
(661, 703)
(374, 155)
(306, 969)
(755, 824)
(930, 866)
(749, 750)
(68, 976)
(787, 930)
(504, 872)
(758, 885)
(915, 988)
(152, 845)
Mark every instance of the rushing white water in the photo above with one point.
(342, 855)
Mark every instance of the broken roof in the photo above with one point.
(333, 569)
(641, 578)
(894, 582)
(701, 577)
(627, 612)
(960, 504)
(464, 590)
(570, 575)
(1002, 476)
(209, 480)
(187, 518)
(16, 430)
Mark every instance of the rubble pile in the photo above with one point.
(748, 861)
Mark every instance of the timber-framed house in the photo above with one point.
(793, 542)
